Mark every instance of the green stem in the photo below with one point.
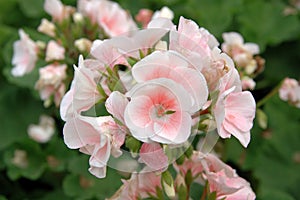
(269, 95)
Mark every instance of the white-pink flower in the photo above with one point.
(116, 104)
(242, 53)
(144, 17)
(140, 186)
(192, 164)
(171, 65)
(190, 38)
(159, 110)
(57, 10)
(215, 67)
(290, 91)
(114, 20)
(95, 136)
(83, 93)
(25, 55)
(224, 181)
(54, 51)
(153, 156)
(234, 110)
(113, 51)
(248, 83)
(43, 131)
(51, 82)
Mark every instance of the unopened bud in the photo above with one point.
(133, 144)
(83, 44)
(78, 17)
(47, 28)
(40, 44)
(20, 158)
(168, 183)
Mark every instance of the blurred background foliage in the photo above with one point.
(271, 162)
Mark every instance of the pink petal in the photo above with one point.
(116, 104)
(243, 137)
(176, 130)
(153, 155)
(80, 131)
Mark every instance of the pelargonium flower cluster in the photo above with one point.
(245, 57)
(160, 87)
(223, 181)
(290, 91)
(70, 33)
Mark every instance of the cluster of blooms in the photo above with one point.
(70, 33)
(290, 91)
(161, 86)
(245, 57)
(222, 180)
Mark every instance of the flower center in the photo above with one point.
(161, 111)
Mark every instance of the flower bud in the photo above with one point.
(78, 17)
(47, 28)
(83, 44)
(20, 158)
(168, 183)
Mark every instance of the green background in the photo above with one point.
(271, 163)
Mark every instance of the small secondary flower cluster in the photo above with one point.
(290, 91)
(223, 182)
(69, 33)
(161, 86)
(245, 57)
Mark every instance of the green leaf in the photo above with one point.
(263, 22)
(57, 194)
(18, 110)
(32, 8)
(34, 158)
(196, 190)
(274, 194)
(214, 15)
(3, 197)
(88, 186)
(58, 154)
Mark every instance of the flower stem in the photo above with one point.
(269, 95)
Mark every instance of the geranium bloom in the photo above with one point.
(83, 93)
(140, 186)
(51, 81)
(290, 91)
(193, 164)
(224, 181)
(144, 17)
(54, 51)
(173, 66)
(95, 137)
(159, 111)
(57, 10)
(242, 53)
(25, 55)
(234, 110)
(190, 39)
(112, 18)
(43, 131)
